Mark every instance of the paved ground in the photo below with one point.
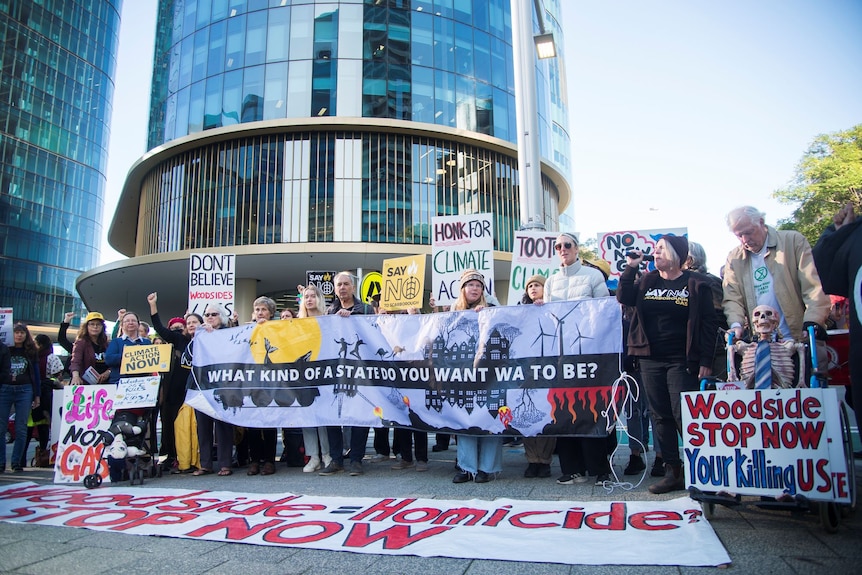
(757, 541)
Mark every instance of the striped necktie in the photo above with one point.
(762, 366)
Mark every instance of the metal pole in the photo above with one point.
(526, 115)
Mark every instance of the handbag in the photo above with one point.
(42, 458)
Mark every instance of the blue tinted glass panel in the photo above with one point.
(199, 64)
(252, 94)
(275, 95)
(422, 33)
(232, 99)
(213, 103)
(444, 44)
(235, 56)
(278, 34)
(255, 39)
(423, 94)
(215, 58)
(482, 55)
(464, 49)
(196, 107)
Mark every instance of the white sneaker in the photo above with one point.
(327, 459)
(312, 465)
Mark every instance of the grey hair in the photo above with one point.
(747, 213)
(268, 302)
(223, 317)
(348, 275)
(697, 257)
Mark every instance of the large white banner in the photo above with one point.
(212, 279)
(532, 253)
(516, 370)
(459, 243)
(587, 533)
(771, 442)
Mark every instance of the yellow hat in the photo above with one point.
(94, 315)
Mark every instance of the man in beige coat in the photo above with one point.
(775, 268)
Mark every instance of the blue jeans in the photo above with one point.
(483, 453)
(664, 382)
(21, 396)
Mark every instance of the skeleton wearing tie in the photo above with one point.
(768, 362)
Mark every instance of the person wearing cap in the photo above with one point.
(774, 268)
(479, 457)
(672, 334)
(580, 457)
(539, 451)
(89, 349)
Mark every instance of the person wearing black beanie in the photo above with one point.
(672, 333)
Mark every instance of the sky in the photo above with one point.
(679, 110)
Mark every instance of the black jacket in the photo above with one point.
(702, 319)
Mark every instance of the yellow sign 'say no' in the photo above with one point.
(403, 283)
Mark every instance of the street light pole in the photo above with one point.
(526, 117)
(530, 193)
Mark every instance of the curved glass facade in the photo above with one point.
(445, 62)
(325, 186)
(58, 59)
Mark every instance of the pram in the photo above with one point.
(767, 470)
(129, 447)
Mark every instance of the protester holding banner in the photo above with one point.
(479, 457)
(775, 268)
(580, 457)
(131, 335)
(672, 334)
(178, 333)
(22, 391)
(88, 352)
(315, 439)
(346, 304)
(212, 430)
(262, 442)
(539, 451)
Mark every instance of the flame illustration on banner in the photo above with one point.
(505, 415)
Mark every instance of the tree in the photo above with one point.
(828, 176)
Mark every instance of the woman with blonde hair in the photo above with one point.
(315, 439)
(479, 457)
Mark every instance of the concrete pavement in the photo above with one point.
(757, 541)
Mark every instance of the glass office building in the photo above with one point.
(292, 125)
(57, 62)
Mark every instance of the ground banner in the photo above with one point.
(575, 533)
(770, 442)
(526, 370)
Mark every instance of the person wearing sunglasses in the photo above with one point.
(580, 457)
(211, 430)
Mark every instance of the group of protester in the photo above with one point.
(676, 317)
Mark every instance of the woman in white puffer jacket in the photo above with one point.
(580, 457)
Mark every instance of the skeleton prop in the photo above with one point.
(780, 354)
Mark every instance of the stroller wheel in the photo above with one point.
(92, 481)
